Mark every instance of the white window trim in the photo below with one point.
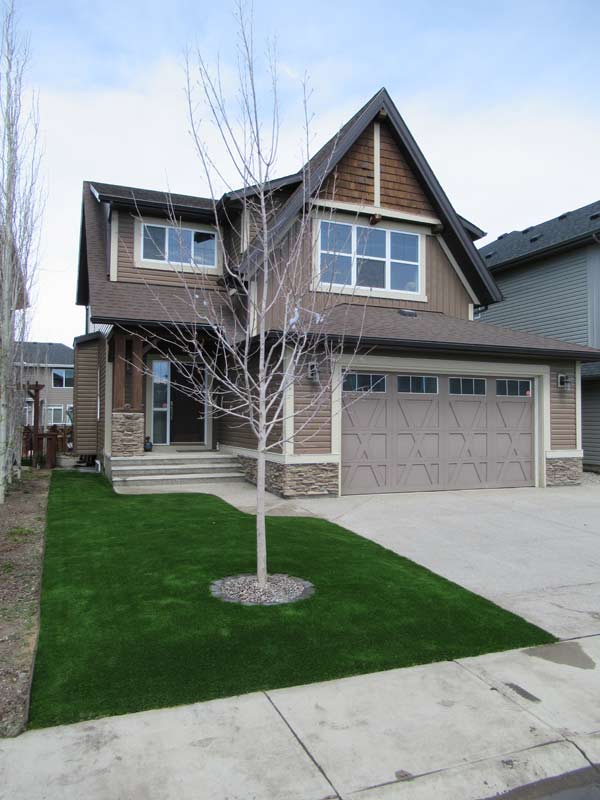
(363, 291)
(53, 408)
(63, 371)
(406, 375)
(170, 266)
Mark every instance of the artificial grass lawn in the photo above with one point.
(127, 621)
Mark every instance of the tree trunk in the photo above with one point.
(261, 535)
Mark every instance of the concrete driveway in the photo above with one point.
(532, 551)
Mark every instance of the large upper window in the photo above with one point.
(179, 245)
(369, 258)
(62, 378)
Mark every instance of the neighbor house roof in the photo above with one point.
(326, 159)
(47, 354)
(570, 229)
(430, 330)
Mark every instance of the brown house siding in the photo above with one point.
(86, 399)
(399, 187)
(352, 180)
(101, 393)
(563, 410)
(312, 424)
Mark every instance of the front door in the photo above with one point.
(187, 411)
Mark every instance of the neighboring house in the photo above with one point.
(549, 275)
(452, 403)
(52, 366)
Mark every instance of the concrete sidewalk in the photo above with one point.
(461, 730)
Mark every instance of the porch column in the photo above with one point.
(127, 438)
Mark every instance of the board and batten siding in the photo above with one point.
(549, 298)
(590, 423)
(85, 428)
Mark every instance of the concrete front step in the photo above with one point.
(174, 479)
(175, 469)
(151, 459)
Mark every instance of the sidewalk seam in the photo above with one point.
(304, 747)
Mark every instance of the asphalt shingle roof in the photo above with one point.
(47, 353)
(520, 245)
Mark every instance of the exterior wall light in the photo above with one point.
(564, 381)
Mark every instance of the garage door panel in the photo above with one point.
(422, 442)
(418, 445)
(417, 413)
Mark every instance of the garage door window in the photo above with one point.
(513, 387)
(417, 384)
(363, 382)
(466, 386)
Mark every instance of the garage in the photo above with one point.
(426, 432)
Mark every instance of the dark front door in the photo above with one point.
(187, 412)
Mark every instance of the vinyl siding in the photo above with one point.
(86, 399)
(590, 418)
(563, 411)
(312, 421)
(549, 298)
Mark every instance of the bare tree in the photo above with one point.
(267, 328)
(19, 216)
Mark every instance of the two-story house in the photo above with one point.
(439, 401)
(52, 366)
(549, 275)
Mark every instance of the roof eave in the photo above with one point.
(568, 244)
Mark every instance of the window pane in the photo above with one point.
(513, 388)
(370, 273)
(466, 385)
(525, 388)
(370, 242)
(479, 386)
(154, 243)
(404, 277)
(417, 384)
(431, 385)
(454, 385)
(378, 383)
(205, 249)
(404, 247)
(336, 237)
(336, 269)
(349, 384)
(363, 383)
(180, 246)
(58, 379)
(403, 383)
(69, 377)
(160, 427)
(501, 387)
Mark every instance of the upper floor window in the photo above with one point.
(62, 378)
(369, 258)
(175, 245)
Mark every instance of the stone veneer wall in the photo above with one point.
(563, 471)
(127, 433)
(295, 480)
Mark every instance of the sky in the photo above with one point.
(503, 99)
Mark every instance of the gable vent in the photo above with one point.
(407, 312)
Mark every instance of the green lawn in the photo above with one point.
(128, 622)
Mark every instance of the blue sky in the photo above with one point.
(502, 97)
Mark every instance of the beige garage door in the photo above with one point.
(406, 433)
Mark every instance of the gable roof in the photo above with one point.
(326, 159)
(571, 229)
(47, 353)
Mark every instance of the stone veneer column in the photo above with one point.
(563, 471)
(127, 433)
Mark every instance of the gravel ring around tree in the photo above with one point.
(244, 589)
